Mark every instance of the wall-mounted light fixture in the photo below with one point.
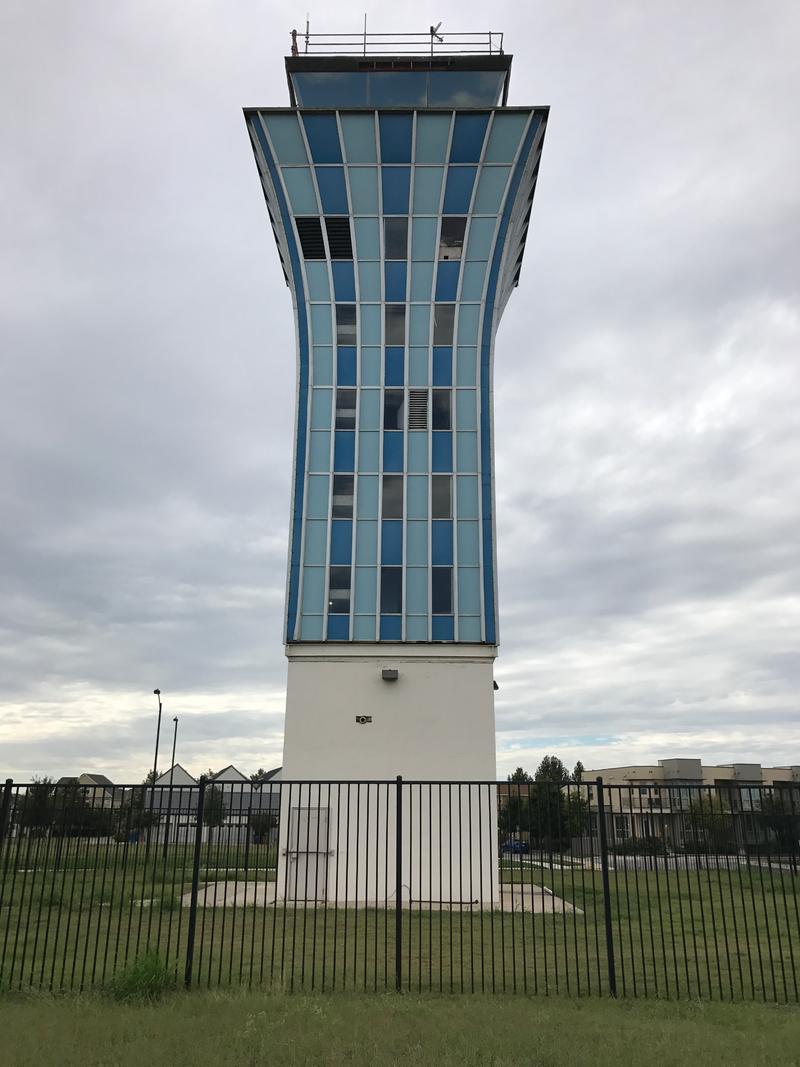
(389, 675)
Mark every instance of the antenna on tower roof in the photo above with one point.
(434, 31)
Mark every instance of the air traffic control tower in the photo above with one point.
(399, 184)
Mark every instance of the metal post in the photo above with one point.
(198, 842)
(4, 810)
(169, 798)
(601, 818)
(398, 887)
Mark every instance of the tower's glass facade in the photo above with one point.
(400, 202)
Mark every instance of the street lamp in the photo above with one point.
(157, 692)
(171, 773)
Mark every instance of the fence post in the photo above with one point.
(4, 810)
(601, 818)
(198, 841)
(398, 888)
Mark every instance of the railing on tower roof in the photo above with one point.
(423, 44)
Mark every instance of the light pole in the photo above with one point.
(156, 692)
(171, 773)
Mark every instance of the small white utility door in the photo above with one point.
(308, 854)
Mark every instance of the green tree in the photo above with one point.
(578, 773)
(34, 810)
(520, 776)
(262, 823)
(708, 825)
(781, 820)
(214, 809)
(259, 776)
(551, 769)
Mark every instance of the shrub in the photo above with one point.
(146, 978)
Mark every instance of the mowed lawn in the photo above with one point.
(248, 1030)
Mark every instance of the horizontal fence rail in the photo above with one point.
(541, 887)
(407, 44)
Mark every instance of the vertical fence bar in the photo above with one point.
(601, 818)
(4, 810)
(398, 888)
(198, 842)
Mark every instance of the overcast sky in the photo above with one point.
(647, 387)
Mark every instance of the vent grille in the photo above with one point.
(339, 241)
(418, 409)
(310, 234)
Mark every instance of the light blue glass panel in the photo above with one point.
(367, 489)
(370, 366)
(319, 454)
(398, 89)
(369, 447)
(423, 238)
(321, 401)
(466, 409)
(417, 590)
(368, 241)
(370, 324)
(417, 544)
(417, 497)
(321, 327)
(466, 451)
(417, 451)
(472, 282)
(359, 138)
(286, 138)
(301, 191)
(367, 545)
(316, 542)
(467, 366)
(369, 416)
(418, 367)
(481, 233)
(369, 280)
(364, 628)
(420, 324)
(317, 278)
(427, 190)
(433, 135)
(323, 366)
(421, 280)
(491, 186)
(504, 138)
(468, 554)
(467, 501)
(417, 628)
(366, 592)
(465, 88)
(330, 88)
(468, 317)
(317, 504)
(469, 595)
(313, 590)
(364, 190)
(469, 628)
(311, 628)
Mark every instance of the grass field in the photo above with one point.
(250, 1030)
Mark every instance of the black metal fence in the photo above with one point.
(572, 887)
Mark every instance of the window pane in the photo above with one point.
(395, 237)
(443, 321)
(391, 590)
(392, 496)
(393, 409)
(343, 496)
(339, 591)
(441, 409)
(330, 89)
(396, 324)
(451, 241)
(346, 324)
(442, 590)
(345, 409)
(441, 496)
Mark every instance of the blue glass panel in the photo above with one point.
(427, 190)
(481, 234)
(468, 135)
(286, 138)
(447, 280)
(330, 88)
(321, 324)
(417, 590)
(393, 451)
(321, 403)
(417, 628)
(466, 409)
(472, 285)
(467, 497)
(465, 88)
(311, 627)
(398, 89)
(301, 192)
(468, 552)
(457, 191)
(467, 366)
(368, 240)
(369, 280)
(442, 452)
(344, 280)
(423, 238)
(370, 409)
(418, 367)
(319, 453)
(323, 138)
(370, 366)
(338, 627)
(364, 628)
(369, 447)
(443, 628)
(316, 542)
(417, 497)
(341, 542)
(417, 544)
(317, 504)
(346, 365)
(468, 317)
(367, 546)
(420, 324)
(370, 324)
(418, 451)
(366, 592)
(391, 542)
(396, 277)
(332, 190)
(442, 543)
(442, 366)
(396, 186)
(317, 278)
(491, 187)
(367, 497)
(359, 138)
(344, 451)
(313, 590)
(323, 366)
(364, 190)
(433, 133)
(469, 629)
(391, 628)
(507, 129)
(421, 281)
(396, 133)
(395, 366)
(467, 452)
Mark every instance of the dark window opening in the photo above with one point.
(346, 409)
(442, 496)
(443, 321)
(339, 241)
(395, 324)
(442, 590)
(418, 409)
(310, 233)
(339, 591)
(343, 495)
(391, 590)
(395, 238)
(393, 404)
(392, 504)
(441, 409)
(451, 242)
(345, 324)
